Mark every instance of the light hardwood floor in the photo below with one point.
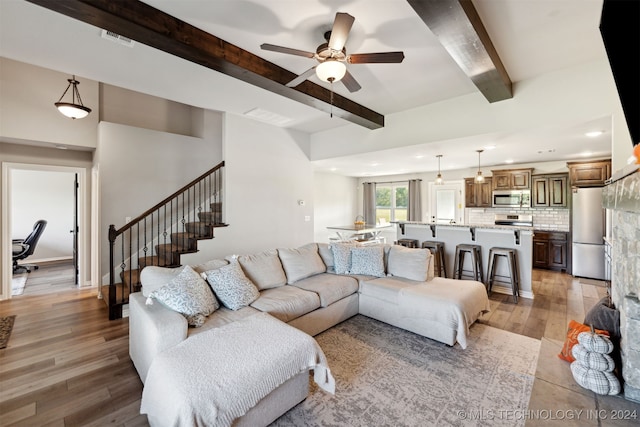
(68, 365)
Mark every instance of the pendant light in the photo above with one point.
(439, 180)
(72, 109)
(479, 177)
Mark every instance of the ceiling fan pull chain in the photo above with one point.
(331, 109)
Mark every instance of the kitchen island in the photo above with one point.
(519, 238)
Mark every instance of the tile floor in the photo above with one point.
(557, 400)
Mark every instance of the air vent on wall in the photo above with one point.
(114, 37)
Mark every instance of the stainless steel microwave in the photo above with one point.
(512, 199)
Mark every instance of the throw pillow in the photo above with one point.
(324, 249)
(263, 269)
(231, 286)
(342, 256)
(575, 328)
(188, 294)
(604, 316)
(410, 263)
(367, 260)
(301, 262)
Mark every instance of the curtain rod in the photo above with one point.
(391, 182)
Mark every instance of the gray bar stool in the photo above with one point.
(437, 249)
(514, 272)
(409, 243)
(476, 262)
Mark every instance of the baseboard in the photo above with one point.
(507, 291)
(46, 261)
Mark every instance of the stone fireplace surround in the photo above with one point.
(622, 197)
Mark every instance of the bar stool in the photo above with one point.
(437, 249)
(514, 272)
(409, 243)
(476, 262)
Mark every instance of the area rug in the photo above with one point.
(18, 283)
(386, 376)
(6, 326)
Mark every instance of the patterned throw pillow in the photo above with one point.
(231, 286)
(573, 330)
(367, 260)
(189, 295)
(342, 256)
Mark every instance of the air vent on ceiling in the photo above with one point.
(268, 117)
(114, 37)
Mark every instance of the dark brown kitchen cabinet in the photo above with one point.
(477, 195)
(549, 191)
(511, 179)
(551, 250)
(589, 174)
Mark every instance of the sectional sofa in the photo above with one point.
(311, 288)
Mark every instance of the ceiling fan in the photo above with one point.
(332, 56)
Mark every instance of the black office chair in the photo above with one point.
(24, 248)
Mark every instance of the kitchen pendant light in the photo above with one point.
(72, 109)
(479, 177)
(439, 180)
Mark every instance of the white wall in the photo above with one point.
(266, 172)
(335, 203)
(27, 95)
(43, 195)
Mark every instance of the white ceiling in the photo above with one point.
(532, 37)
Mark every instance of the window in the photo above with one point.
(391, 201)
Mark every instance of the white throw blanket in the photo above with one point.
(455, 304)
(214, 377)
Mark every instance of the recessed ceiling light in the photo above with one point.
(61, 147)
(509, 161)
(419, 156)
(594, 133)
(333, 169)
(489, 147)
(586, 154)
(375, 164)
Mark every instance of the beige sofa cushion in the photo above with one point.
(410, 263)
(385, 288)
(329, 287)
(264, 269)
(301, 262)
(286, 302)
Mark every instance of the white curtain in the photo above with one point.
(414, 207)
(369, 202)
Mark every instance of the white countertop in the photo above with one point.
(477, 226)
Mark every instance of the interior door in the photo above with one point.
(446, 203)
(75, 230)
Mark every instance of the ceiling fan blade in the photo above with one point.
(302, 77)
(340, 30)
(370, 58)
(350, 83)
(281, 49)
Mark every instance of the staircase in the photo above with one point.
(161, 235)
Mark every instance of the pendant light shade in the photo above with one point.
(73, 109)
(331, 70)
(479, 177)
(439, 180)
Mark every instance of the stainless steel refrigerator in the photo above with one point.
(588, 222)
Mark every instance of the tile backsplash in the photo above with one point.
(543, 219)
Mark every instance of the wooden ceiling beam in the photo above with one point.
(459, 28)
(152, 27)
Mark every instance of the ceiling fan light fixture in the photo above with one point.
(73, 109)
(331, 70)
(439, 180)
(479, 176)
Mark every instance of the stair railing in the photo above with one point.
(160, 234)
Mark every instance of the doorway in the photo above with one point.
(446, 203)
(48, 192)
